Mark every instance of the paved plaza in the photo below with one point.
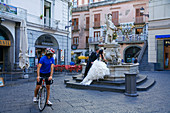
(17, 98)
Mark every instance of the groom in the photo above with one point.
(92, 58)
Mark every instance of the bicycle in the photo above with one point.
(42, 94)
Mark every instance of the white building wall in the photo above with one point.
(159, 17)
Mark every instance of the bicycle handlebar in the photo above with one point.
(47, 78)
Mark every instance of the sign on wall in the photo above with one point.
(1, 82)
(62, 54)
(166, 42)
(5, 43)
(32, 52)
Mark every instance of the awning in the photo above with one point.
(163, 36)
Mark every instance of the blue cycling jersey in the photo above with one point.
(46, 64)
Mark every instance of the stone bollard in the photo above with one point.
(130, 84)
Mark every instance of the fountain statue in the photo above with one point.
(112, 52)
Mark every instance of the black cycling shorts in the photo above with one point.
(46, 75)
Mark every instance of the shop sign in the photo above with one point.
(5, 43)
(8, 8)
(167, 42)
(62, 54)
(47, 44)
(74, 47)
(32, 52)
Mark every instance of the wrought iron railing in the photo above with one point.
(131, 38)
(94, 39)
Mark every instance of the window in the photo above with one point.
(87, 22)
(82, 2)
(75, 23)
(138, 13)
(96, 36)
(91, 1)
(139, 17)
(76, 40)
(47, 13)
(97, 20)
(75, 3)
(115, 17)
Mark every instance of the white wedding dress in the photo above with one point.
(97, 71)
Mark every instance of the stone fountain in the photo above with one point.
(112, 53)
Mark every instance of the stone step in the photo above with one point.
(74, 84)
(111, 80)
(146, 84)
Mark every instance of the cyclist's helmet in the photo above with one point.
(50, 51)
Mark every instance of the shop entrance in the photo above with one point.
(43, 42)
(131, 53)
(167, 54)
(1, 59)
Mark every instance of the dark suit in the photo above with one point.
(92, 58)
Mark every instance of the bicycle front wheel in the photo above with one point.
(42, 98)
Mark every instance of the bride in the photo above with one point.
(98, 70)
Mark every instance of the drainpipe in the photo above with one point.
(68, 32)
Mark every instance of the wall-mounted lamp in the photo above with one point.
(69, 25)
(1, 20)
(142, 12)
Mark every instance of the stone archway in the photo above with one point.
(46, 41)
(131, 52)
(8, 51)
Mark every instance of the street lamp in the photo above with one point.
(142, 12)
(67, 27)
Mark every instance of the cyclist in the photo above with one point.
(45, 69)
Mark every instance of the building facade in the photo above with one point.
(159, 34)
(46, 22)
(88, 21)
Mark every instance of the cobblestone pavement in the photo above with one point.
(17, 98)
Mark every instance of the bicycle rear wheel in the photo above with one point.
(42, 100)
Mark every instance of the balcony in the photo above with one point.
(96, 25)
(94, 40)
(136, 38)
(45, 22)
(139, 20)
(12, 13)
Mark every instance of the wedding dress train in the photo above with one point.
(97, 71)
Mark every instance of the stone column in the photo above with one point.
(17, 44)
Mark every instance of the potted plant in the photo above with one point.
(41, 16)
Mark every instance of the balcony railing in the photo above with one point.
(132, 38)
(139, 19)
(75, 28)
(94, 40)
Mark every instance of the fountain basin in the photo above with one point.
(119, 70)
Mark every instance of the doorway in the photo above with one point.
(1, 59)
(167, 55)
